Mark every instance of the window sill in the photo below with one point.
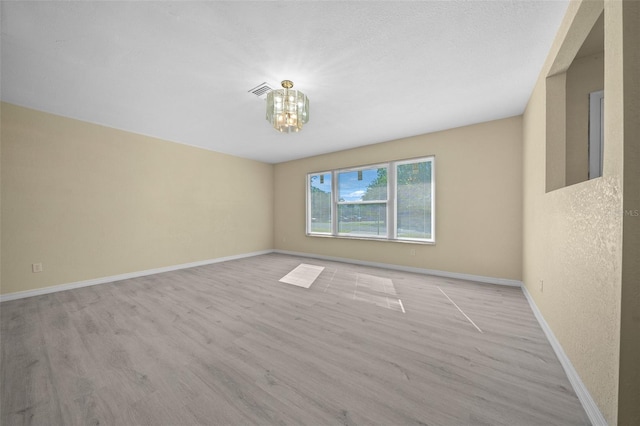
(383, 240)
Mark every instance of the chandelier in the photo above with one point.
(287, 109)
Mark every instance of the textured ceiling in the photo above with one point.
(181, 71)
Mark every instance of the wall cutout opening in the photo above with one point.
(574, 130)
(596, 133)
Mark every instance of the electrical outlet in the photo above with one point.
(36, 267)
(541, 286)
(412, 252)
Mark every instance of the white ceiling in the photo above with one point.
(181, 71)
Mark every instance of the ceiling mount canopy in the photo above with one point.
(287, 109)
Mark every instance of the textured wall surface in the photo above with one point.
(478, 201)
(88, 202)
(573, 235)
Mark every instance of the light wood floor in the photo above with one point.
(229, 344)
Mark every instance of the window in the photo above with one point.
(320, 208)
(414, 195)
(362, 202)
(390, 201)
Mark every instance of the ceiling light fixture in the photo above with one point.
(287, 109)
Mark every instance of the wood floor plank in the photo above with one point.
(228, 343)
(25, 362)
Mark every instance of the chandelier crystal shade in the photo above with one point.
(287, 109)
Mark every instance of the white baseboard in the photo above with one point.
(446, 274)
(589, 405)
(120, 277)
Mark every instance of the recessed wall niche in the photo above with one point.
(574, 93)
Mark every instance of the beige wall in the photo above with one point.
(90, 201)
(555, 137)
(585, 75)
(573, 236)
(629, 387)
(478, 201)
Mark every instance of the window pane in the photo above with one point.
(320, 200)
(414, 200)
(363, 219)
(363, 185)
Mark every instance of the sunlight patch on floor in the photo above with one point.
(365, 288)
(303, 275)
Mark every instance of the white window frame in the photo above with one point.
(391, 202)
(337, 202)
(433, 200)
(308, 206)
